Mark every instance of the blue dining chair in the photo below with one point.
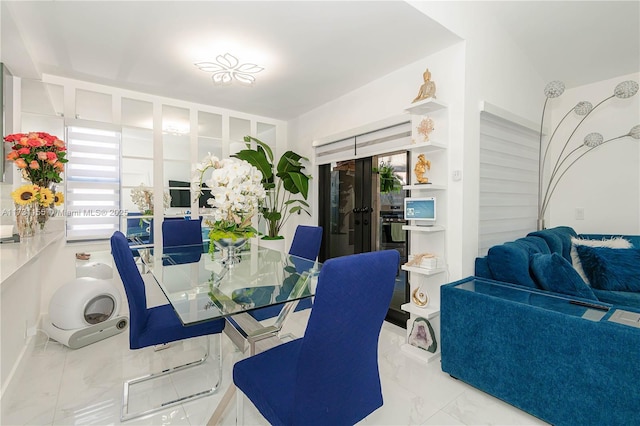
(155, 326)
(330, 376)
(185, 238)
(306, 244)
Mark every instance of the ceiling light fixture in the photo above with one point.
(227, 68)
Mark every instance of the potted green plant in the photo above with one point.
(389, 182)
(286, 184)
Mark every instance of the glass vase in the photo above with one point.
(45, 212)
(27, 219)
(230, 250)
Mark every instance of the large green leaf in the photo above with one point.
(259, 160)
(290, 162)
(304, 203)
(300, 184)
(258, 142)
(272, 216)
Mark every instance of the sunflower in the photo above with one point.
(46, 196)
(58, 198)
(24, 195)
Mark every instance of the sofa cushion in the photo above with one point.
(510, 262)
(558, 239)
(535, 245)
(633, 239)
(611, 269)
(554, 273)
(615, 242)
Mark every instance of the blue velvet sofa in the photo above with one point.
(512, 262)
(543, 353)
(522, 331)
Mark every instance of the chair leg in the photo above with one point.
(125, 415)
(239, 407)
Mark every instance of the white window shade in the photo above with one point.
(383, 140)
(380, 141)
(92, 196)
(335, 151)
(508, 181)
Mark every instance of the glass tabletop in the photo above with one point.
(201, 287)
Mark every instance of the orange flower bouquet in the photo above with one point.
(39, 155)
(41, 158)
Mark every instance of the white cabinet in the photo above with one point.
(428, 239)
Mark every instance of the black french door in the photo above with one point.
(357, 218)
(345, 200)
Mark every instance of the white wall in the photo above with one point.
(605, 182)
(388, 97)
(486, 66)
(496, 71)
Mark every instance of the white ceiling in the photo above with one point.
(577, 42)
(312, 51)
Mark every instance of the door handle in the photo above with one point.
(363, 210)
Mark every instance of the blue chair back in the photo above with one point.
(181, 232)
(133, 285)
(306, 242)
(338, 381)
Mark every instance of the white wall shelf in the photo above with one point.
(417, 228)
(423, 271)
(428, 312)
(425, 106)
(423, 238)
(424, 186)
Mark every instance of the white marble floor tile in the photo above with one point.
(401, 407)
(442, 419)
(32, 395)
(478, 408)
(61, 386)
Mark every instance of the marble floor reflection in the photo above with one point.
(55, 385)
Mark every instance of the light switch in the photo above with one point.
(579, 213)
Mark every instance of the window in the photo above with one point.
(92, 178)
(508, 180)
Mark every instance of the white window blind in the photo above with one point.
(381, 141)
(92, 196)
(508, 181)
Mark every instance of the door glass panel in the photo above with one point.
(238, 129)
(137, 113)
(93, 106)
(342, 232)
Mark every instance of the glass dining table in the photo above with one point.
(203, 286)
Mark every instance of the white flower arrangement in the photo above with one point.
(142, 197)
(236, 195)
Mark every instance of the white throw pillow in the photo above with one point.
(616, 243)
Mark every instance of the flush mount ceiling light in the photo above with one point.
(227, 68)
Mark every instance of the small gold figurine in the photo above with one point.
(421, 168)
(419, 297)
(428, 88)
